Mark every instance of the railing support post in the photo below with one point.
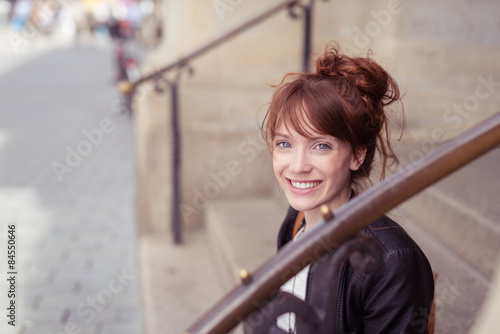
(176, 225)
(176, 164)
(307, 12)
(307, 36)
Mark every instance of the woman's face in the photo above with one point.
(313, 171)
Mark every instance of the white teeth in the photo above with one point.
(304, 185)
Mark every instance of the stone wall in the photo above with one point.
(440, 53)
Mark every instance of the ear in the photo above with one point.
(358, 158)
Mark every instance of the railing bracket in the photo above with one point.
(245, 276)
(326, 212)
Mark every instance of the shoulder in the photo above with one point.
(391, 236)
(390, 297)
(402, 257)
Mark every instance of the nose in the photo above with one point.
(300, 162)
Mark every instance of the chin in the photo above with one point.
(302, 206)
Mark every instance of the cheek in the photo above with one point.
(336, 169)
(278, 161)
(277, 168)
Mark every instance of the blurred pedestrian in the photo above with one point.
(82, 18)
(21, 13)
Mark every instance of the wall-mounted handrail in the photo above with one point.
(129, 88)
(356, 214)
(258, 18)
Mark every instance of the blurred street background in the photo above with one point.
(67, 175)
(87, 181)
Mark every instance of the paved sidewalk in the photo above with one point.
(67, 181)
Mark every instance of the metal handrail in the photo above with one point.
(128, 90)
(356, 214)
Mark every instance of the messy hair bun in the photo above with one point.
(345, 97)
(372, 81)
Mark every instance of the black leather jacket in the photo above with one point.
(395, 299)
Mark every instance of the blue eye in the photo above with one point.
(324, 146)
(283, 144)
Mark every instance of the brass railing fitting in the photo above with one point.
(245, 276)
(326, 212)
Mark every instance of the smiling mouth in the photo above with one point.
(304, 184)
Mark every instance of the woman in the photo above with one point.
(324, 129)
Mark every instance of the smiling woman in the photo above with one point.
(329, 124)
(324, 129)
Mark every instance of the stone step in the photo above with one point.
(180, 282)
(456, 224)
(462, 212)
(243, 232)
(473, 237)
(242, 235)
(459, 289)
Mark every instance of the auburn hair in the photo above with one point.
(344, 97)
